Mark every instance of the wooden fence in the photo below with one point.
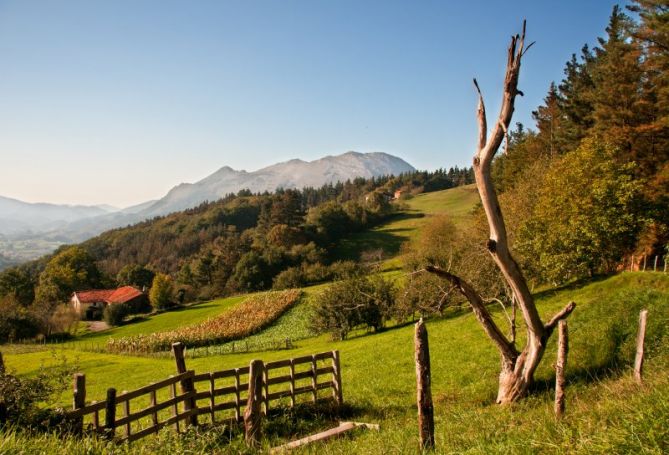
(645, 263)
(217, 396)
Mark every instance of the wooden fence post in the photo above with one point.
(563, 349)
(638, 361)
(79, 400)
(252, 414)
(187, 384)
(423, 387)
(644, 263)
(110, 414)
(655, 264)
(336, 376)
(3, 406)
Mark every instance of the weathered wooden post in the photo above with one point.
(3, 407)
(79, 400)
(563, 349)
(336, 376)
(638, 361)
(252, 414)
(424, 388)
(644, 263)
(110, 414)
(187, 384)
(655, 264)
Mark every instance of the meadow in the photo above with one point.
(404, 226)
(606, 411)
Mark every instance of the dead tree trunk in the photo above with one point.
(424, 387)
(517, 372)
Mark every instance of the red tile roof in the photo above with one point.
(94, 295)
(120, 295)
(124, 294)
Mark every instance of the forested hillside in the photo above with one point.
(243, 242)
(588, 186)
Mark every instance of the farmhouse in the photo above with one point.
(90, 304)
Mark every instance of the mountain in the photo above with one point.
(289, 174)
(32, 230)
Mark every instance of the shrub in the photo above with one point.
(113, 314)
(22, 396)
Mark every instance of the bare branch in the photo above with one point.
(480, 311)
(481, 117)
(562, 314)
(508, 318)
(527, 48)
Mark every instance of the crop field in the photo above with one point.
(245, 319)
(606, 411)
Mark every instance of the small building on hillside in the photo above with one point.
(90, 304)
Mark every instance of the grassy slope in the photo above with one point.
(389, 236)
(606, 411)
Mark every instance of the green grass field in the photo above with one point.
(607, 412)
(456, 202)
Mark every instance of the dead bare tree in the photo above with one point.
(518, 367)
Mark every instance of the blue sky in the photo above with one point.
(116, 102)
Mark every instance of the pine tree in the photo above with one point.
(617, 85)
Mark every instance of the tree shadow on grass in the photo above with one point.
(388, 240)
(571, 286)
(309, 418)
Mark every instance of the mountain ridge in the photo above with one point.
(75, 224)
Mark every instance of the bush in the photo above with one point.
(23, 396)
(114, 314)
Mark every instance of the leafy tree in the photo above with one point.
(16, 321)
(135, 275)
(70, 270)
(348, 304)
(587, 214)
(18, 282)
(161, 291)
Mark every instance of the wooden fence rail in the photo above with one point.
(217, 396)
(131, 420)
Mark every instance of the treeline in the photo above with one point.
(589, 185)
(242, 242)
